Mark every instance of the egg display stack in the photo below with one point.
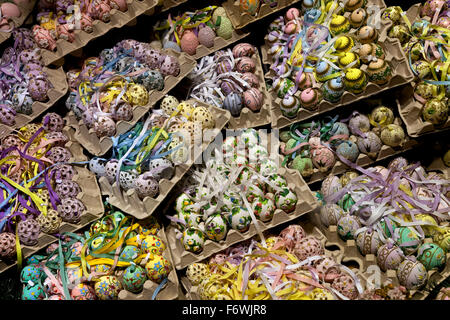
(322, 58)
(107, 88)
(97, 265)
(231, 194)
(41, 189)
(316, 146)
(398, 213)
(149, 152)
(23, 78)
(421, 31)
(294, 264)
(187, 31)
(228, 80)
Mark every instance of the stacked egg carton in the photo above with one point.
(306, 203)
(118, 20)
(394, 55)
(411, 110)
(129, 201)
(241, 19)
(99, 146)
(58, 79)
(169, 292)
(368, 263)
(90, 196)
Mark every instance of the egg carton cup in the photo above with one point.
(57, 78)
(240, 19)
(169, 4)
(364, 160)
(99, 146)
(311, 229)
(306, 203)
(248, 118)
(169, 292)
(118, 20)
(129, 201)
(394, 55)
(90, 196)
(219, 43)
(438, 165)
(25, 9)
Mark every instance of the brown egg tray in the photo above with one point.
(169, 4)
(169, 292)
(240, 19)
(248, 118)
(364, 160)
(306, 203)
(351, 252)
(99, 146)
(57, 78)
(118, 20)
(90, 196)
(394, 55)
(129, 202)
(25, 9)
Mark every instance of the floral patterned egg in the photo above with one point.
(250, 137)
(153, 244)
(83, 292)
(33, 292)
(330, 186)
(108, 288)
(133, 278)
(267, 167)
(182, 202)
(406, 239)
(32, 272)
(412, 274)
(286, 200)
(129, 253)
(216, 227)
(239, 219)
(74, 275)
(257, 153)
(229, 146)
(347, 226)
(249, 6)
(158, 268)
(308, 247)
(431, 256)
(253, 192)
(263, 209)
(230, 200)
(278, 180)
(101, 268)
(193, 240)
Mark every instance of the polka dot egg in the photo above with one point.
(203, 116)
(169, 104)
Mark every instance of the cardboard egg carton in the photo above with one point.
(90, 196)
(25, 8)
(99, 146)
(240, 19)
(364, 160)
(169, 292)
(118, 20)
(394, 55)
(129, 201)
(306, 203)
(169, 4)
(311, 229)
(57, 78)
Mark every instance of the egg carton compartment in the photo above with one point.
(169, 4)
(118, 20)
(240, 19)
(99, 146)
(169, 292)
(311, 229)
(90, 196)
(128, 201)
(57, 78)
(25, 8)
(394, 55)
(306, 203)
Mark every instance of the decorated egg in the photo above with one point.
(108, 288)
(303, 165)
(263, 208)
(392, 135)
(33, 292)
(348, 150)
(289, 106)
(435, 111)
(249, 6)
(389, 257)
(330, 214)
(206, 36)
(347, 226)
(193, 240)
(83, 291)
(189, 42)
(412, 274)
(216, 227)
(225, 29)
(133, 278)
(368, 241)
(431, 256)
(307, 247)
(253, 99)
(286, 200)
(369, 145)
(239, 219)
(196, 272)
(233, 103)
(158, 268)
